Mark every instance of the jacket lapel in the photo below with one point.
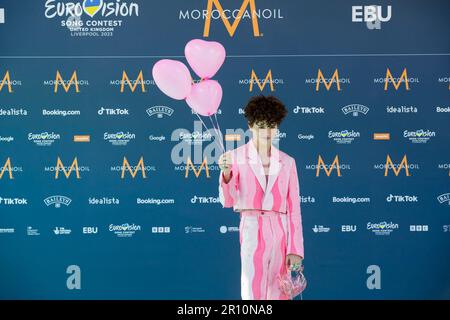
(255, 163)
(274, 169)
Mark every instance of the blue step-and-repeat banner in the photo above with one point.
(98, 199)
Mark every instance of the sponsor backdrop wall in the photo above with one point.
(95, 199)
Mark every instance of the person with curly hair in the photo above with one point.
(260, 182)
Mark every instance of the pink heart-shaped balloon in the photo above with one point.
(173, 78)
(205, 97)
(204, 57)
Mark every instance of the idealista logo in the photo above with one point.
(88, 18)
(320, 229)
(327, 82)
(261, 83)
(125, 230)
(57, 201)
(61, 231)
(419, 136)
(307, 199)
(328, 168)
(66, 84)
(247, 11)
(132, 84)
(103, 201)
(396, 82)
(10, 168)
(355, 109)
(344, 136)
(159, 111)
(371, 15)
(113, 111)
(444, 198)
(43, 139)
(383, 228)
(13, 112)
(401, 109)
(396, 168)
(120, 138)
(6, 84)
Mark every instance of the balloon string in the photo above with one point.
(218, 126)
(218, 134)
(206, 129)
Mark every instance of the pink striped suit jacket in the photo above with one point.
(247, 189)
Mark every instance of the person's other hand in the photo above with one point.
(293, 261)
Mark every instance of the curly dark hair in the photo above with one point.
(265, 109)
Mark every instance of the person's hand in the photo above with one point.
(293, 262)
(225, 163)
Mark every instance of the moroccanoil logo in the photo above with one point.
(328, 169)
(126, 166)
(261, 86)
(327, 81)
(247, 11)
(231, 28)
(261, 82)
(396, 84)
(396, 168)
(204, 164)
(8, 83)
(67, 172)
(7, 166)
(396, 81)
(66, 84)
(132, 86)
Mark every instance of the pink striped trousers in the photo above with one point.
(263, 240)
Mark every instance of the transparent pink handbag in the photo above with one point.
(292, 283)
